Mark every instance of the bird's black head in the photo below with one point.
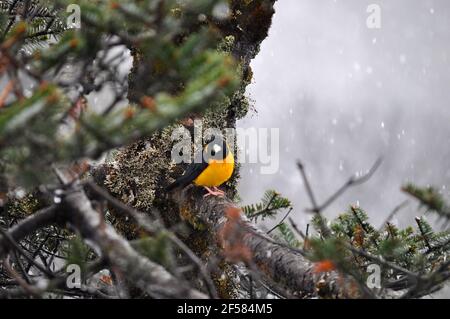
(215, 149)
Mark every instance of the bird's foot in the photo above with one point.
(214, 192)
(218, 190)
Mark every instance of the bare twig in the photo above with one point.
(393, 213)
(17, 247)
(309, 190)
(21, 267)
(318, 209)
(29, 225)
(281, 221)
(22, 283)
(297, 230)
(352, 181)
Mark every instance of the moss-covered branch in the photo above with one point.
(240, 241)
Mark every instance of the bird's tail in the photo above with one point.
(172, 186)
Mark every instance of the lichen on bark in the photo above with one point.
(138, 173)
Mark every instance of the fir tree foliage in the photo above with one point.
(418, 249)
(184, 72)
(271, 204)
(430, 198)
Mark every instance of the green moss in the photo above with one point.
(189, 216)
(224, 281)
(124, 225)
(141, 171)
(20, 208)
(226, 45)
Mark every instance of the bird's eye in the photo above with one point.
(216, 148)
(213, 153)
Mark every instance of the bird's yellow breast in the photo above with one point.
(217, 172)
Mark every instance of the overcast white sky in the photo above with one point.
(342, 95)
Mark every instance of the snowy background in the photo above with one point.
(343, 94)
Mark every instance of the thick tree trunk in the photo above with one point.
(142, 170)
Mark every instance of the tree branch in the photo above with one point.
(145, 274)
(277, 263)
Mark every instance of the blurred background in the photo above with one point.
(343, 94)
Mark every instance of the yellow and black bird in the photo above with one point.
(210, 169)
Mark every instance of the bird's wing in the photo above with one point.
(192, 172)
